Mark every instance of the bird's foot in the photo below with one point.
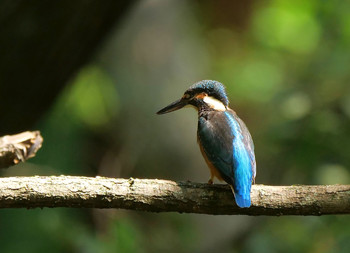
(210, 181)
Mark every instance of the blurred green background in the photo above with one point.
(286, 68)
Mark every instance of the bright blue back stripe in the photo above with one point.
(242, 162)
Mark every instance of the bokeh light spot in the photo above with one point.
(93, 98)
(296, 106)
(291, 29)
(256, 80)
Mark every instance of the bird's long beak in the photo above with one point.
(178, 104)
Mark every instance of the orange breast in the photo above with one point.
(212, 168)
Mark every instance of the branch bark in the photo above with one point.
(167, 196)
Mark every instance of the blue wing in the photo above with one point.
(228, 145)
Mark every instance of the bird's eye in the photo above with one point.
(186, 96)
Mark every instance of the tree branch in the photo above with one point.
(166, 196)
(19, 147)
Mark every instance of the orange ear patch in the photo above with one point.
(201, 95)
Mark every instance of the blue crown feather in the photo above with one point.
(213, 88)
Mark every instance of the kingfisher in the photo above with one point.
(223, 138)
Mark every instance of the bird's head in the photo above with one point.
(204, 95)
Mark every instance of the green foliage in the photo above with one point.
(93, 98)
(291, 27)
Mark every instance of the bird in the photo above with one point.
(224, 140)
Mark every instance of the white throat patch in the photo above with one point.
(214, 103)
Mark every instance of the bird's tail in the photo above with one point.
(243, 201)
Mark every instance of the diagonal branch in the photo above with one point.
(167, 196)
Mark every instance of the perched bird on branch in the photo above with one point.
(223, 138)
